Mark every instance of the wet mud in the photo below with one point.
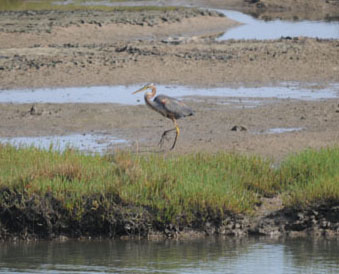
(234, 126)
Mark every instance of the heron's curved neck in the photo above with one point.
(149, 95)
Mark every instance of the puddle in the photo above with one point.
(280, 130)
(233, 102)
(123, 94)
(89, 143)
(258, 29)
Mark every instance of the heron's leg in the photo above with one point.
(163, 136)
(177, 133)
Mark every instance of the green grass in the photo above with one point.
(172, 186)
(194, 183)
(311, 177)
(22, 5)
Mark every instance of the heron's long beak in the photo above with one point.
(139, 90)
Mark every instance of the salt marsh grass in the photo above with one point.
(172, 186)
(311, 177)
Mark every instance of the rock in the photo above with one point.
(174, 40)
(33, 110)
(252, 1)
(239, 128)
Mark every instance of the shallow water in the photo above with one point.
(123, 94)
(90, 143)
(196, 256)
(280, 130)
(258, 29)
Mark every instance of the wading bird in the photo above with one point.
(166, 106)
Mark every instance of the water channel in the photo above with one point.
(123, 94)
(211, 255)
(253, 28)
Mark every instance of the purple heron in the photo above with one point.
(167, 106)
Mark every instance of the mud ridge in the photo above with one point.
(46, 20)
(24, 217)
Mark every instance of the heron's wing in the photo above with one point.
(174, 108)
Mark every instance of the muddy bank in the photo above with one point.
(197, 63)
(35, 217)
(218, 125)
(44, 28)
(321, 220)
(295, 10)
(79, 48)
(46, 21)
(277, 9)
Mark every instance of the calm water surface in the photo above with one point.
(199, 256)
(123, 94)
(253, 28)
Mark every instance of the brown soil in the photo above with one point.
(49, 49)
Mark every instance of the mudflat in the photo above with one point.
(174, 46)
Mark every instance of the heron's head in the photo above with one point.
(147, 86)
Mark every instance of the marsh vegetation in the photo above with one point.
(181, 190)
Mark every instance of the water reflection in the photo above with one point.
(198, 256)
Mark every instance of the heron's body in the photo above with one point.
(166, 106)
(169, 107)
